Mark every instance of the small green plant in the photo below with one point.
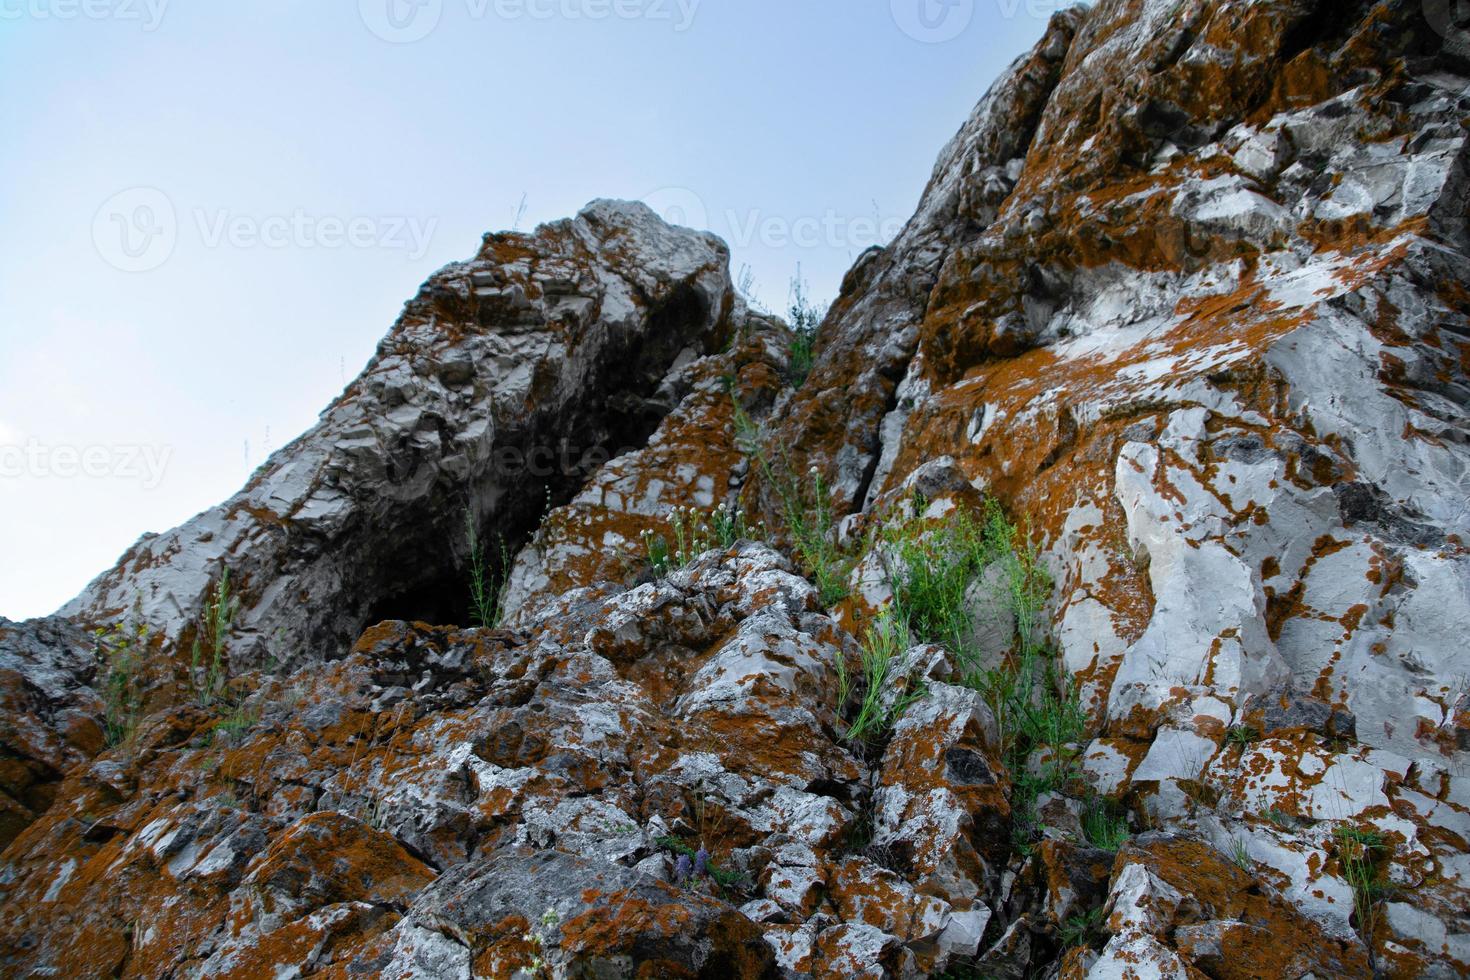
(694, 866)
(844, 681)
(883, 643)
(1357, 852)
(376, 809)
(696, 532)
(932, 567)
(1103, 827)
(1240, 854)
(1241, 735)
(859, 836)
(1081, 929)
(728, 526)
(1370, 839)
(1057, 721)
(536, 938)
(1025, 822)
(805, 319)
(1276, 818)
(812, 523)
(728, 881)
(119, 651)
(485, 591)
(747, 431)
(806, 510)
(656, 547)
(1032, 701)
(692, 535)
(1027, 786)
(209, 665)
(674, 845)
(236, 722)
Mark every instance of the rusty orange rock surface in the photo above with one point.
(1184, 302)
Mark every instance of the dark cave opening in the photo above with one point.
(553, 455)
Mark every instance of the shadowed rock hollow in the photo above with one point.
(1185, 298)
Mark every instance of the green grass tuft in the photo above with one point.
(209, 665)
(1081, 929)
(1357, 852)
(1104, 827)
(883, 643)
(805, 319)
(119, 651)
(485, 590)
(1241, 735)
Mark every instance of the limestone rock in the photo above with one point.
(482, 398)
(514, 909)
(676, 714)
(1184, 296)
(1198, 914)
(1236, 415)
(52, 720)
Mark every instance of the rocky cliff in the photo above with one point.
(1094, 606)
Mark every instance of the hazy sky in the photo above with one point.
(212, 211)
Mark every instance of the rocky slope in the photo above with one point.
(1184, 299)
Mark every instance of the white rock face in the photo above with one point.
(1216, 348)
(1140, 901)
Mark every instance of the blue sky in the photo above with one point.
(212, 212)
